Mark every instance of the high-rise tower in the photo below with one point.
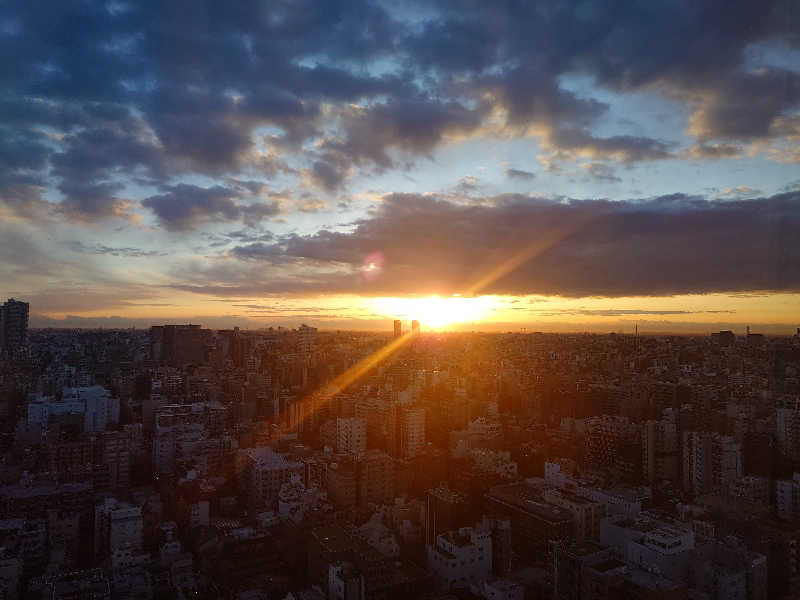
(13, 325)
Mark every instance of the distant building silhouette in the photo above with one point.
(398, 328)
(415, 330)
(177, 344)
(13, 325)
(724, 338)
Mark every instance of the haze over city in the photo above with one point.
(538, 166)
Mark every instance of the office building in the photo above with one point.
(351, 436)
(398, 328)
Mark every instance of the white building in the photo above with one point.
(117, 526)
(461, 558)
(94, 403)
(262, 472)
(100, 409)
(650, 544)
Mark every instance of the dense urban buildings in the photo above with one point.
(186, 462)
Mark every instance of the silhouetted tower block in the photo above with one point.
(415, 330)
(398, 328)
(501, 548)
(13, 325)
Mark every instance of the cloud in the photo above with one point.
(520, 174)
(325, 90)
(97, 248)
(660, 246)
(740, 191)
(184, 207)
(600, 172)
(714, 151)
(610, 312)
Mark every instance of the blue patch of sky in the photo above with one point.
(772, 53)
(641, 113)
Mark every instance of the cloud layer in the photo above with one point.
(514, 244)
(99, 95)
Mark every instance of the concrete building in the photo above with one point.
(711, 462)
(261, 473)
(660, 448)
(412, 431)
(787, 497)
(650, 544)
(375, 478)
(787, 427)
(117, 525)
(586, 514)
(460, 558)
(726, 570)
(535, 524)
(95, 405)
(345, 582)
(351, 436)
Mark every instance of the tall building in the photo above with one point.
(351, 435)
(445, 510)
(412, 431)
(117, 525)
(13, 325)
(711, 462)
(415, 330)
(398, 328)
(660, 448)
(307, 339)
(375, 478)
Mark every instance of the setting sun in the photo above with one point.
(436, 312)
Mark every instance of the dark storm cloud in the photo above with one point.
(91, 201)
(183, 207)
(520, 174)
(152, 91)
(665, 245)
(409, 125)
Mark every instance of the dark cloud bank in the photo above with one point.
(100, 92)
(665, 245)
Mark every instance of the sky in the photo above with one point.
(542, 166)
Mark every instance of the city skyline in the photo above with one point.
(554, 168)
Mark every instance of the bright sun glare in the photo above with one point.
(435, 312)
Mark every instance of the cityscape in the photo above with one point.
(373, 300)
(185, 462)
